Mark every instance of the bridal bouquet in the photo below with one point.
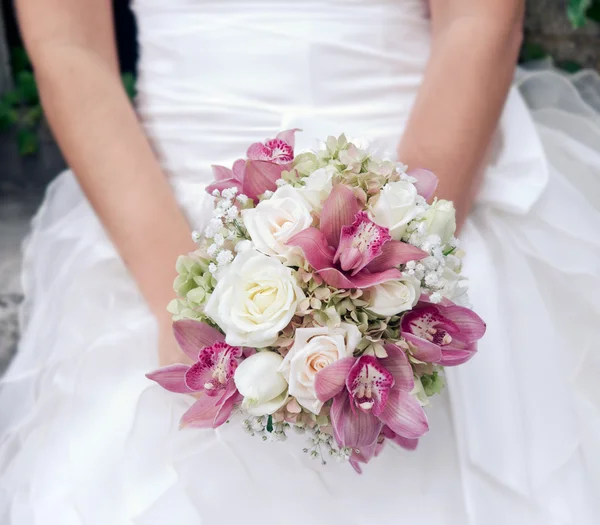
(325, 295)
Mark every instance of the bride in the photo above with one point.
(87, 439)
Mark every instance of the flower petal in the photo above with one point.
(426, 182)
(453, 356)
(171, 378)
(193, 336)
(422, 349)
(221, 172)
(260, 176)
(330, 381)
(226, 408)
(201, 414)
(223, 185)
(404, 415)
(369, 384)
(337, 279)
(350, 429)
(408, 444)
(315, 248)
(339, 210)
(393, 254)
(472, 328)
(396, 363)
(289, 136)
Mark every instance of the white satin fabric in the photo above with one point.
(87, 440)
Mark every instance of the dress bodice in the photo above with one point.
(216, 75)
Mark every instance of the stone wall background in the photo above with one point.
(22, 180)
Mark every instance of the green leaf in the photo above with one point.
(570, 66)
(32, 116)
(19, 60)
(11, 98)
(27, 88)
(129, 84)
(576, 11)
(27, 141)
(270, 424)
(593, 13)
(532, 51)
(8, 116)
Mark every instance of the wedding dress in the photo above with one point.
(88, 440)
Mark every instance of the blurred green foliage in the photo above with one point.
(20, 108)
(579, 11)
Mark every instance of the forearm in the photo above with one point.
(103, 143)
(455, 114)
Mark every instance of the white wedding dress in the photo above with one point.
(515, 439)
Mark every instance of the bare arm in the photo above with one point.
(474, 51)
(71, 43)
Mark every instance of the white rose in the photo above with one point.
(313, 350)
(263, 387)
(318, 186)
(395, 207)
(441, 220)
(393, 297)
(275, 221)
(255, 298)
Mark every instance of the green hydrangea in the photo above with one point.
(433, 383)
(193, 286)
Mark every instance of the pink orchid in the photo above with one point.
(260, 171)
(443, 333)
(349, 250)
(370, 394)
(426, 182)
(211, 375)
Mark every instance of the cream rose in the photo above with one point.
(255, 298)
(313, 350)
(275, 221)
(393, 297)
(263, 387)
(317, 187)
(441, 220)
(395, 207)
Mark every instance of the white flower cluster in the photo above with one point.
(224, 229)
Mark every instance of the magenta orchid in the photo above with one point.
(349, 250)
(369, 395)
(260, 171)
(211, 375)
(443, 333)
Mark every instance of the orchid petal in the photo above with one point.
(422, 349)
(339, 210)
(258, 151)
(193, 336)
(197, 376)
(201, 414)
(396, 363)
(260, 176)
(239, 169)
(221, 185)
(471, 326)
(364, 455)
(289, 136)
(408, 444)
(171, 378)
(426, 182)
(315, 248)
(369, 384)
(360, 243)
(356, 430)
(221, 172)
(226, 408)
(452, 356)
(404, 415)
(393, 254)
(330, 381)
(337, 279)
